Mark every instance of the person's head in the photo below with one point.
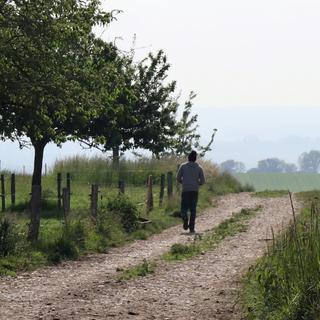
(192, 157)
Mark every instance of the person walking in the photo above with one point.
(191, 176)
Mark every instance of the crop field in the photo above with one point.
(295, 182)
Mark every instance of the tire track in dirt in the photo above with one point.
(87, 289)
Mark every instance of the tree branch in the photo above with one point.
(207, 147)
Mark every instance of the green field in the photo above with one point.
(294, 182)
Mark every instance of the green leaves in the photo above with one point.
(46, 73)
(186, 137)
(141, 109)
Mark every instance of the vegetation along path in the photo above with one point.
(200, 288)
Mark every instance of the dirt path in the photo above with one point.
(201, 288)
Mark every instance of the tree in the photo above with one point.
(271, 165)
(233, 166)
(253, 170)
(290, 167)
(310, 161)
(144, 108)
(111, 126)
(48, 84)
(274, 165)
(144, 111)
(155, 106)
(186, 136)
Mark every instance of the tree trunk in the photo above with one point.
(38, 159)
(36, 191)
(35, 213)
(115, 157)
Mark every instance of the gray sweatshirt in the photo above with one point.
(190, 174)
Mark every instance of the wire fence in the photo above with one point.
(87, 190)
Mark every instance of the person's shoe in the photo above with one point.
(185, 224)
(192, 232)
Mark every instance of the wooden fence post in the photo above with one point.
(35, 213)
(149, 195)
(66, 203)
(94, 200)
(162, 183)
(121, 187)
(170, 184)
(3, 193)
(13, 189)
(59, 180)
(69, 183)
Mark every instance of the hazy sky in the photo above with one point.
(230, 52)
(255, 66)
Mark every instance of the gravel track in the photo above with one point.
(202, 288)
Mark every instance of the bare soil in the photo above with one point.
(203, 288)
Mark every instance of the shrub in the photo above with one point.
(226, 183)
(8, 237)
(103, 223)
(123, 207)
(97, 242)
(77, 234)
(63, 248)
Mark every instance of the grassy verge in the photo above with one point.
(113, 227)
(284, 284)
(140, 270)
(227, 228)
(83, 235)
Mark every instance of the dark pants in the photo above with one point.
(189, 201)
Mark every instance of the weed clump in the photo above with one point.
(62, 248)
(178, 250)
(8, 237)
(122, 207)
(140, 270)
(68, 245)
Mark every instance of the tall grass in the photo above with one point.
(136, 171)
(101, 169)
(285, 284)
(226, 183)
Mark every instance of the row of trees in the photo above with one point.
(309, 162)
(59, 82)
